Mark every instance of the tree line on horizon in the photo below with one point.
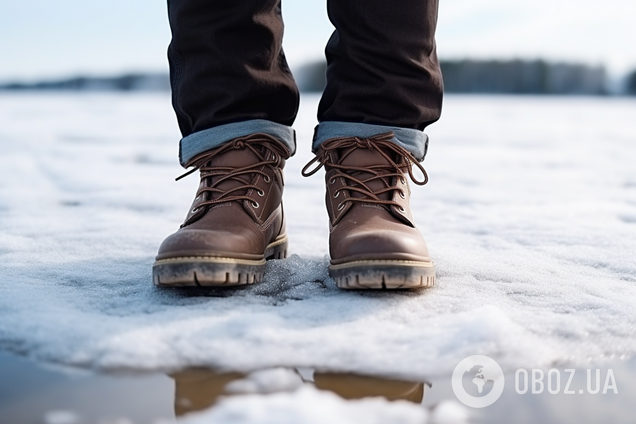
(460, 76)
(503, 77)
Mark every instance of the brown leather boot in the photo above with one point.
(373, 240)
(236, 221)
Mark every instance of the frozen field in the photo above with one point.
(530, 215)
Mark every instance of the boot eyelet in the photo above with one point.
(336, 195)
(267, 179)
(401, 209)
(333, 181)
(260, 193)
(194, 210)
(274, 156)
(402, 195)
(341, 206)
(402, 180)
(255, 204)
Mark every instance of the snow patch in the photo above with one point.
(527, 215)
(309, 406)
(267, 381)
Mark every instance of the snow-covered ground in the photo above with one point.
(530, 215)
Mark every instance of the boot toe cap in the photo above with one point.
(196, 242)
(379, 245)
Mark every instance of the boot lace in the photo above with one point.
(384, 172)
(216, 174)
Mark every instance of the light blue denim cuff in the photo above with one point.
(415, 141)
(214, 137)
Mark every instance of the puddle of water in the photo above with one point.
(35, 393)
(32, 393)
(198, 389)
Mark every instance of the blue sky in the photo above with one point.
(44, 38)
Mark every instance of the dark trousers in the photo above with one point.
(227, 63)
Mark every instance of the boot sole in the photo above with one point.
(383, 274)
(213, 271)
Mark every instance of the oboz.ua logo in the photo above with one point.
(478, 381)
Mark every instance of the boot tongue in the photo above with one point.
(361, 158)
(233, 158)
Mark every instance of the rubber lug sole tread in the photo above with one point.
(383, 275)
(212, 271)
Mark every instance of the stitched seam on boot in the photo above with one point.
(271, 219)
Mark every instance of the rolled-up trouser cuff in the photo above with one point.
(214, 137)
(415, 141)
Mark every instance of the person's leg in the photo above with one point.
(235, 100)
(228, 72)
(382, 70)
(384, 86)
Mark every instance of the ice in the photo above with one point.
(529, 214)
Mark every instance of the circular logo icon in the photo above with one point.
(478, 381)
